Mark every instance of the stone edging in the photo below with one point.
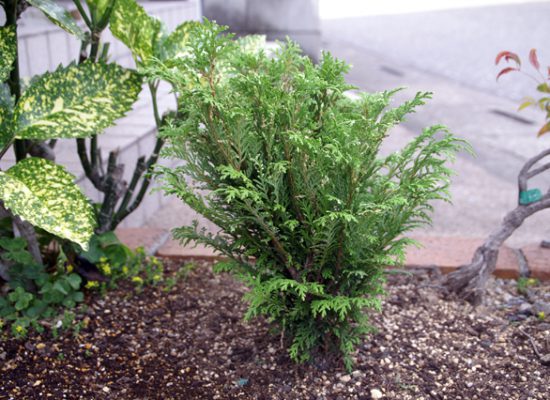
(445, 253)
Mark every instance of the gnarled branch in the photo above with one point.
(469, 281)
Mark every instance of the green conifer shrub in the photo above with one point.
(277, 156)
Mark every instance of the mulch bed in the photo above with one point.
(191, 343)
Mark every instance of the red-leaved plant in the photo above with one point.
(542, 83)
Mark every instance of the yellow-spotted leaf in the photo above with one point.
(140, 32)
(7, 51)
(44, 194)
(251, 44)
(176, 43)
(6, 111)
(100, 6)
(59, 16)
(75, 101)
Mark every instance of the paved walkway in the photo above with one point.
(451, 53)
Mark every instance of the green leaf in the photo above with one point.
(6, 113)
(53, 296)
(60, 287)
(78, 297)
(44, 194)
(8, 51)
(76, 101)
(107, 239)
(69, 303)
(176, 44)
(131, 24)
(544, 88)
(99, 6)
(21, 304)
(59, 16)
(527, 102)
(74, 280)
(21, 298)
(13, 244)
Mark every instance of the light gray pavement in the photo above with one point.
(450, 53)
(460, 44)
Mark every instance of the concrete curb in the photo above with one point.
(445, 253)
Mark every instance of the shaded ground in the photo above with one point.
(190, 343)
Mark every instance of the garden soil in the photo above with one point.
(191, 342)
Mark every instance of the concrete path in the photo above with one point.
(451, 53)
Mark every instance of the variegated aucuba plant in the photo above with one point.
(74, 101)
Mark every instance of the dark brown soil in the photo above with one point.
(191, 343)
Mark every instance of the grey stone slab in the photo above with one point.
(310, 42)
(283, 15)
(234, 15)
(275, 18)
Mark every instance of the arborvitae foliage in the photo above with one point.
(287, 166)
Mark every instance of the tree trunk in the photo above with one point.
(469, 280)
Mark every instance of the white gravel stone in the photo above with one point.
(376, 394)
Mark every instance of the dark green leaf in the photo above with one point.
(107, 238)
(3, 302)
(69, 303)
(117, 254)
(6, 114)
(13, 244)
(59, 16)
(74, 280)
(61, 287)
(35, 311)
(78, 297)
(8, 51)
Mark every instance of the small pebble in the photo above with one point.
(345, 378)
(376, 394)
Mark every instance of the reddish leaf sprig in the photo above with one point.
(542, 83)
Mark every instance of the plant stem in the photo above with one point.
(153, 88)
(83, 14)
(95, 46)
